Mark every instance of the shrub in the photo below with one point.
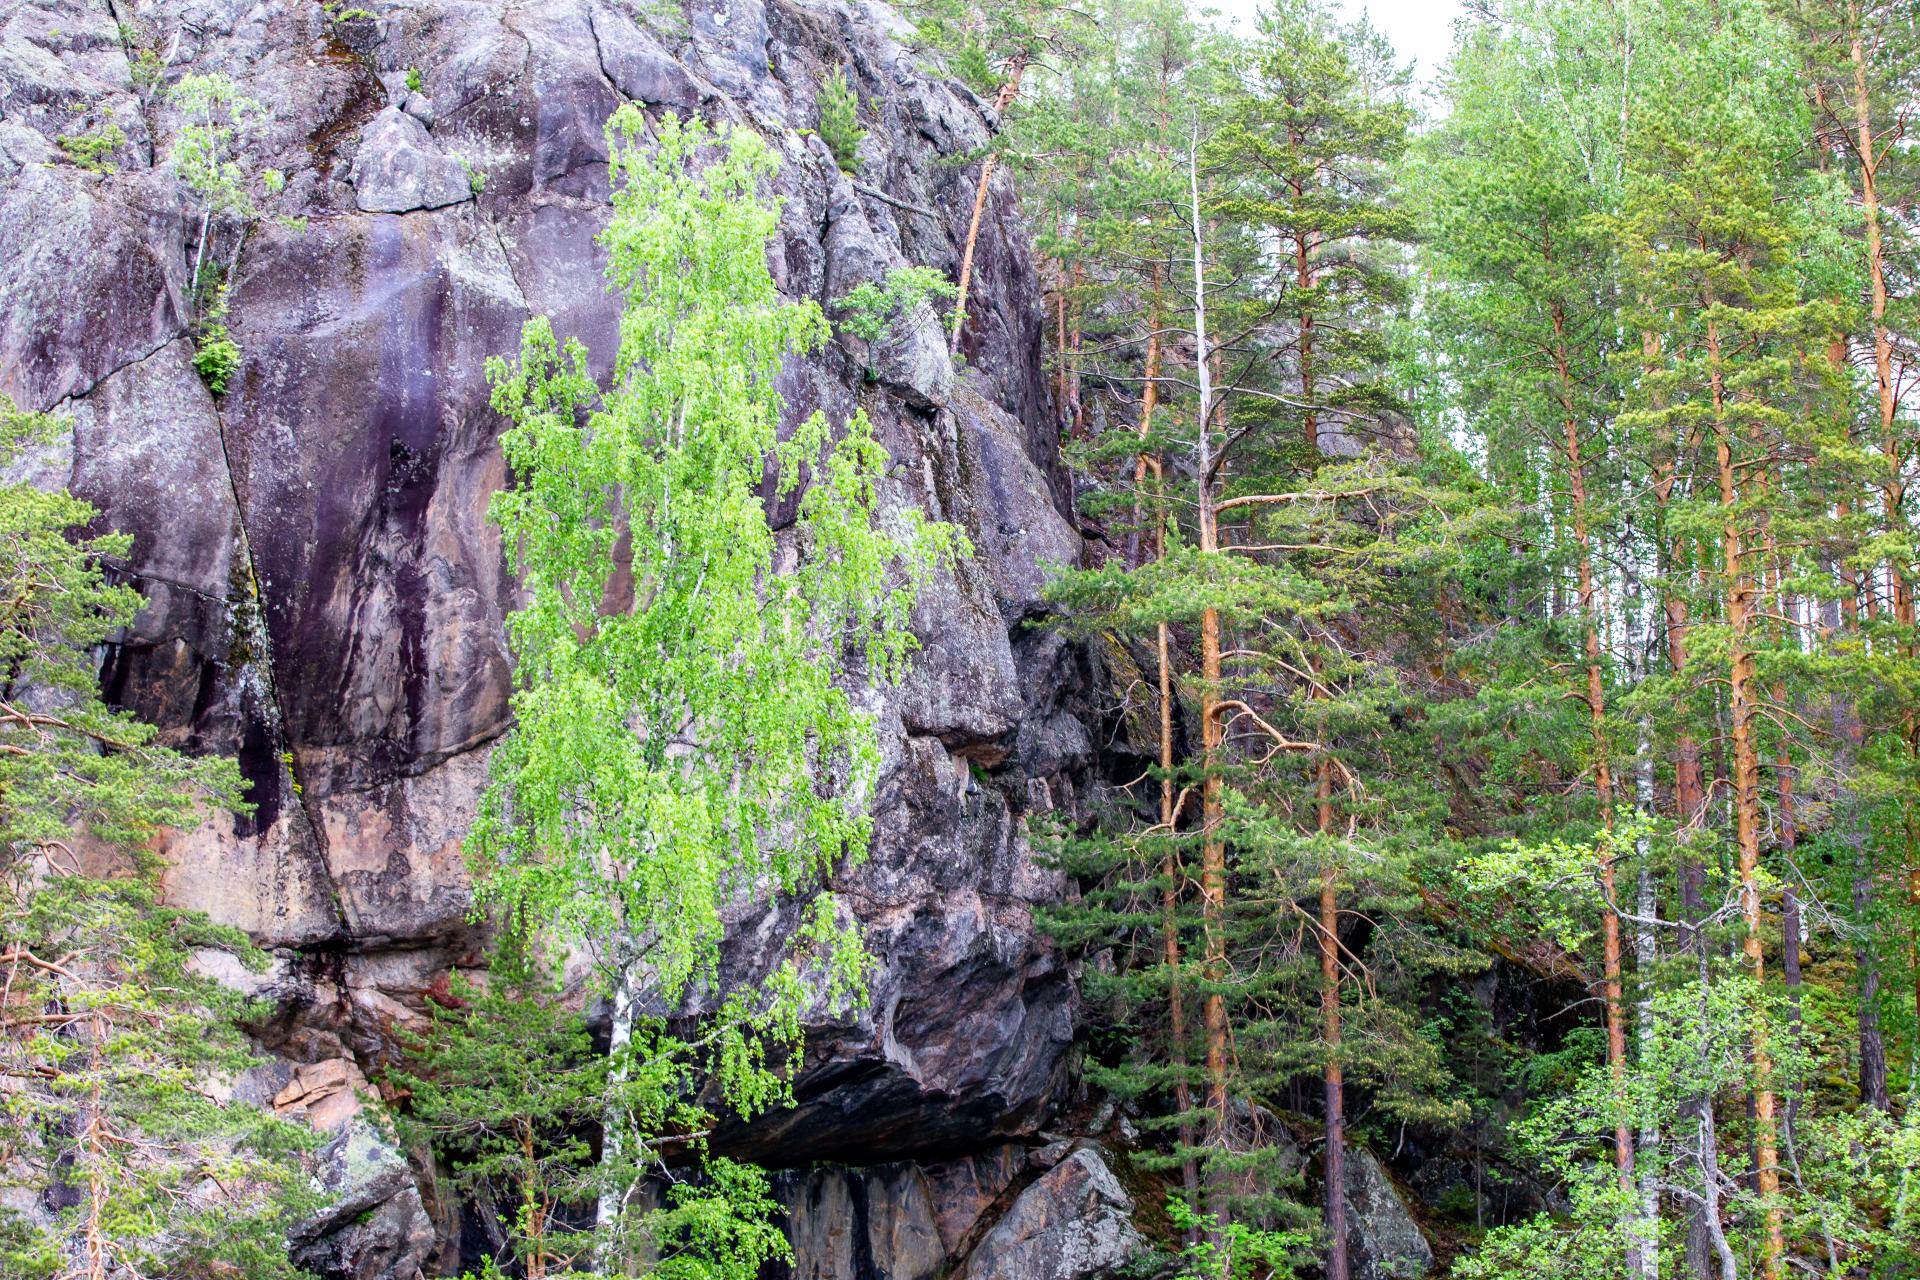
(874, 312)
(216, 355)
(840, 121)
(94, 151)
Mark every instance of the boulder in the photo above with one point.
(399, 169)
(1074, 1223)
(1383, 1240)
(374, 1226)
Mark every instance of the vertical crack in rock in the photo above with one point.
(259, 670)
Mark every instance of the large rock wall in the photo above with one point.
(325, 594)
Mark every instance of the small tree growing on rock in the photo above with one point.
(218, 118)
(840, 121)
(876, 313)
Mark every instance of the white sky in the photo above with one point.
(1421, 30)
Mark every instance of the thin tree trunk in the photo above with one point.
(1145, 461)
(1060, 346)
(1746, 799)
(530, 1201)
(1645, 1249)
(1303, 279)
(93, 1142)
(613, 1140)
(1708, 1152)
(1171, 870)
(1077, 416)
(1336, 1155)
(1170, 904)
(1213, 858)
(1892, 487)
(1595, 694)
(1001, 102)
(1893, 484)
(1334, 1079)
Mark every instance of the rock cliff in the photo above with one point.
(325, 593)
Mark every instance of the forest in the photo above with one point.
(1496, 541)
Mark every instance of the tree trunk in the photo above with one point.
(1644, 1250)
(1707, 1154)
(1893, 485)
(1746, 804)
(1333, 1080)
(1303, 279)
(1595, 694)
(1171, 870)
(1336, 1159)
(1213, 857)
(1146, 462)
(1001, 102)
(1336, 1155)
(613, 1139)
(1892, 488)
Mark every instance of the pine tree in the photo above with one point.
(116, 1046)
(991, 47)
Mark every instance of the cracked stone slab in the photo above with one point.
(399, 168)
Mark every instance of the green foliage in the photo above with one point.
(476, 178)
(216, 118)
(684, 732)
(877, 313)
(69, 759)
(216, 356)
(146, 70)
(94, 150)
(415, 84)
(840, 121)
(719, 1227)
(1233, 1250)
(115, 1038)
(715, 648)
(989, 46)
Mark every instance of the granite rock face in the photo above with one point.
(325, 595)
(1074, 1223)
(1383, 1240)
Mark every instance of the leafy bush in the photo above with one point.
(874, 313)
(216, 355)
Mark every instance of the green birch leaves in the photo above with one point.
(685, 732)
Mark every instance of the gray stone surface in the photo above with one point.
(1074, 1223)
(374, 1227)
(1383, 1240)
(398, 168)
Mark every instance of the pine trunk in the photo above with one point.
(1746, 807)
(1213, 857)
(1001, 102)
